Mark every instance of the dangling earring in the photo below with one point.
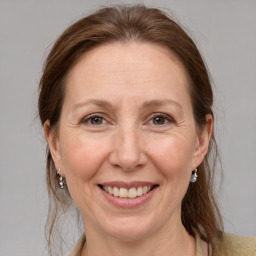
(193, 176)
(61, 179)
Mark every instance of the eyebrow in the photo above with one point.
(159, 103)
(100, 103)
(146, 104)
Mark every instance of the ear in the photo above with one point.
(204, 136)
(50, 135)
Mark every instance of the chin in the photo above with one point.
(129, 230)
(128, 235)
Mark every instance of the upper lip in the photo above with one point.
(127, 185)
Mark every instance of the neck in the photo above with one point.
(171, 240)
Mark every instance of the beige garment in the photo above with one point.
(77, 250)
(231, 245)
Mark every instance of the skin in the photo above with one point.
(135, 82)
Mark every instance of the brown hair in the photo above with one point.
(137, 23)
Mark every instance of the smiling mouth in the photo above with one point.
(132, 192)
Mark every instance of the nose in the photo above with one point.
(128, 150)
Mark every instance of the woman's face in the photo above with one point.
(127, 128)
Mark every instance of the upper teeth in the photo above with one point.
(127, 193)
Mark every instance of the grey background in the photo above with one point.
(226, 35)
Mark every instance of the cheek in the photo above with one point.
(173, 155)
(82, 157)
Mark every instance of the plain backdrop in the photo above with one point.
(224, 31)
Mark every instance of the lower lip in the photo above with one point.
(128, 202)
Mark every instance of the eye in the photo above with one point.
(161, 119)
(94, 120)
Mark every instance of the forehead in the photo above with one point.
(129, 68)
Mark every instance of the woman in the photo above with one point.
(126, 105)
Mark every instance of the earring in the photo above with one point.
(193, 176)
(61, 179)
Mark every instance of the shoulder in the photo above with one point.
(234, 245)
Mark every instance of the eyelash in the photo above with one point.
(167, 119)
(89, 118)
